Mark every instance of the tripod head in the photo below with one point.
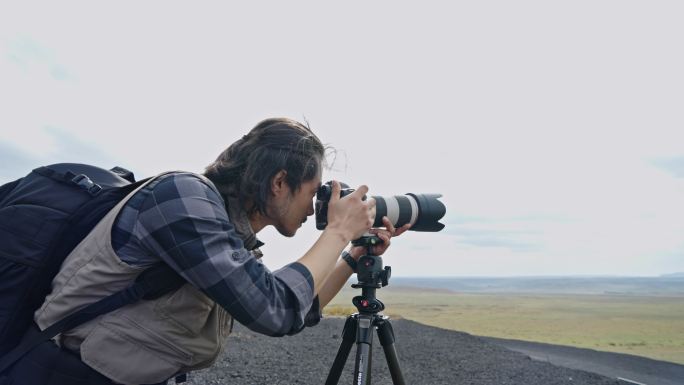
(370, 275)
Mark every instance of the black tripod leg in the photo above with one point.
(364, 344)
(386, 336)
(348, 338)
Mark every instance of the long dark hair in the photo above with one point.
(249, 164)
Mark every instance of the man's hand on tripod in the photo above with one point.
(385, 235)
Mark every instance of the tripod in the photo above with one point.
(359, 326)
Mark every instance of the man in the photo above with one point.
(204, 227)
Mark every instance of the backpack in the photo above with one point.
(43, 217)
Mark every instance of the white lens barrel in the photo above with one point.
(400, 209)
(392, 210)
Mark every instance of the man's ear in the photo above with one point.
(278, 183)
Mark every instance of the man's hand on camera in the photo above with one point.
(385, 235)
(351, 215)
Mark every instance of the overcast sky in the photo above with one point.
(554, 130)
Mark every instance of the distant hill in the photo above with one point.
(665, 285)
(674, 275)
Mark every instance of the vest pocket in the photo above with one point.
(225, 323)
(187, 308)
(138, 357)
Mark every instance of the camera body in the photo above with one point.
(323, 197)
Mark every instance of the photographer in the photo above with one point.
(204, 227)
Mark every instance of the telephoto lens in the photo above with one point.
(422, 211)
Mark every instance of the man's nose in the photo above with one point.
(310, 211)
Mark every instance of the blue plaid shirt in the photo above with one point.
(182, 220)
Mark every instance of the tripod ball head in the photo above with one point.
(371, 273)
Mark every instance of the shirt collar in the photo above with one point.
(239, 219)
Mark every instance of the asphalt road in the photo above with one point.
(629, 368)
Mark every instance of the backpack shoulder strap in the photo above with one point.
(152, 283)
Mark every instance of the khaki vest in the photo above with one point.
(143, 343)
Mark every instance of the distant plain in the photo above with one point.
(640, 316)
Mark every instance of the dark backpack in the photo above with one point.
(43, 216)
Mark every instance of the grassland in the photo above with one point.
(649, 326)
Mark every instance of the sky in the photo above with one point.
(553, 130)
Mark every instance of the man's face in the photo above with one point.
(291, 208)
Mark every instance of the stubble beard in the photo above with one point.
(281, 216)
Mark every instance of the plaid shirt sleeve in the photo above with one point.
(182, 220)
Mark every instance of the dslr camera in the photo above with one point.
(422, 211)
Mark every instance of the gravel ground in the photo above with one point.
(427, 355)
